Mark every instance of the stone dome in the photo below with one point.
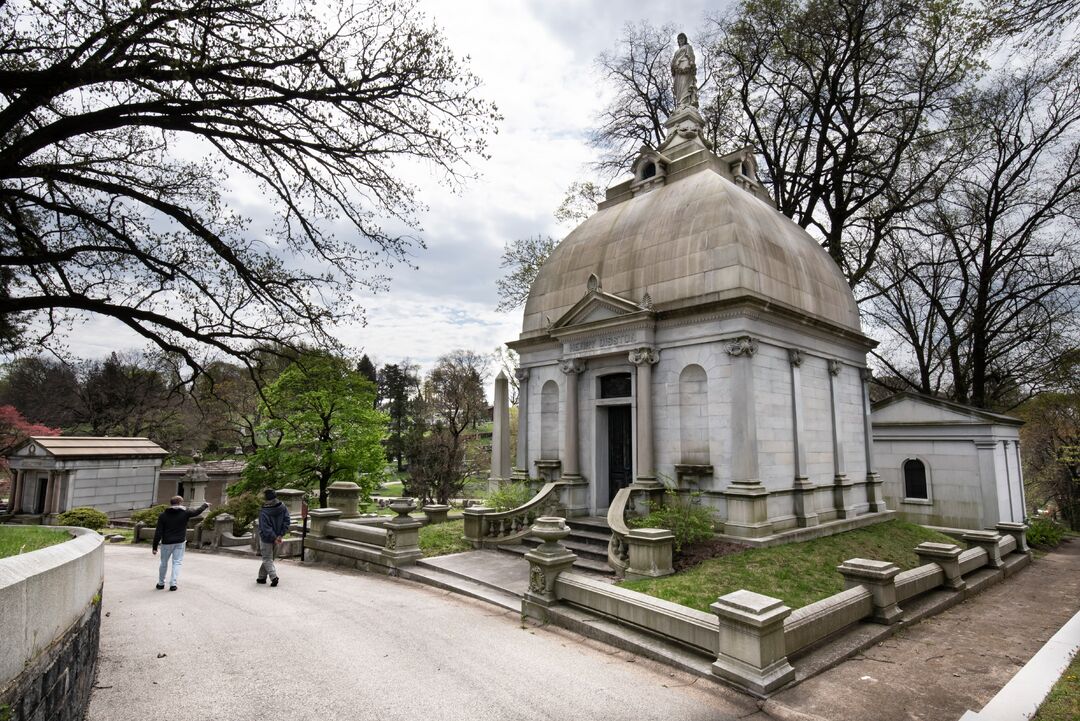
(698, 238)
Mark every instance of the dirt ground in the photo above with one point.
(950, 663)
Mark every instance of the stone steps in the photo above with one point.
(588, 539)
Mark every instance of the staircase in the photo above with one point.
(589, 537)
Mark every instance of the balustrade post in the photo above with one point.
(947, 557)
(651, 551)
(436, 512)
(988, 541)
(293, 499)
(1019, 533)
(546, 562)
(319, 517)
(752, 652)
(879, 578)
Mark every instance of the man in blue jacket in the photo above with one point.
(171, 534)
(274, 521)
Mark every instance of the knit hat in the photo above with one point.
(269, 494)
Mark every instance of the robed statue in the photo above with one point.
(684, 75)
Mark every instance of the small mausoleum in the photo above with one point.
(53, 474)
(947, 464)
(689, 334)
(219, 475)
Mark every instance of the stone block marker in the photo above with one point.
(987, 541)
(752, 651)
(547, 560)
(651, 551)
(947, 557)
(1019, 533)
(436, 512)
(293, 499)
(345, 496)
(879, 578)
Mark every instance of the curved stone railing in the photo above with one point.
(618, 549)
(487, 528)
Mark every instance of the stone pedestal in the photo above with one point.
(747, 510)
(403, 533)
(195, 484)
(947, 557)
(223, 523)
(293, 500)
(651, 551)
(1019, 533)
(436, 512)
(844, 497)
(874, 493)
(752, 652)
(547, 560)
(878, 577)
(344, 496)
(803, 503)
(988, 541)
(474, 524)
(319, 517)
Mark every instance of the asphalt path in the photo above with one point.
(332, 644)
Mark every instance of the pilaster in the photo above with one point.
(521, 464)
(873, 481)
(644, 358)
(747, 498)
(572, 367)
(803, 497)
(843, 489)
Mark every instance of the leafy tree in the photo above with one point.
(523, 257)
(45, 390)
(399, 391)
(14, 429)
(320, 427)
(122, 122)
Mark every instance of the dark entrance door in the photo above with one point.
(620, 450)
(43, 487)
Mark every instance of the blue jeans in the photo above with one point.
(175, 551)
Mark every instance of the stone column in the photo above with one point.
(987, 541)
(521, 465)
(873, 481)
(572, 367)
(747, 498)
(947, 557)
(879, 578)
(50, 491)
(644, 358)
(15, 503)
(344, 496)
(843, 489)
(803, 497)
(752, 653)
(500, 437)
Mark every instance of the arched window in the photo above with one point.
(915, 480)
(549, 420)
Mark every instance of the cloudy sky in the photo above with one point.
(536, 61)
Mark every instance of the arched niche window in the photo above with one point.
(648, 170)
(694, 415)
(549, 420)
(915, 486)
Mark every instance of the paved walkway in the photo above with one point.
(341, 645)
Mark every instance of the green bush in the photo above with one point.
(243, 508)
(84, 517)
(685, 517)
(1045, 534)
(148, 516)
(509, 496)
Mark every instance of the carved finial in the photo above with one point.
(594, 283)
(795, 356)
(834, 367)
(646, 301)
(743, 346)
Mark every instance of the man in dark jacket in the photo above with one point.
(274, 521)
(171, 534)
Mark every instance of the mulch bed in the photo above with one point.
(693, 555)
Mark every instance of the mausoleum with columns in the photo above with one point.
(689, 334)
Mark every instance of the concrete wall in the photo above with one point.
(50, 612)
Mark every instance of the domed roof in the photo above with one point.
(698, 238)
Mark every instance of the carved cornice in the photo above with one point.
(746, 346)
(522, 374)
(795, 356)
(643, 355)
(834, 367)
(572, 365)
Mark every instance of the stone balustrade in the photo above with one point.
(487, 528)
(382, 549)
(752, 638)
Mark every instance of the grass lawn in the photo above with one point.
(441, 539)
(798, 573)
(1063, 703)
(23, 539)
(389, 489)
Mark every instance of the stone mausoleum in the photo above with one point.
(689, 334)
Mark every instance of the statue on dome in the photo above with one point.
(684, 75)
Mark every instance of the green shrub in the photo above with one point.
(84, 517)
(509, 496)
(685, 517)
(243, 508)
(148, 516)
(1045, 534)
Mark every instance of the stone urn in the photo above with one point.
(403, 507)
(550, 530)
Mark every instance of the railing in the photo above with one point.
(487, 528)
(618, 549)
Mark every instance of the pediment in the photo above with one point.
(597, 305)
(29, 449)
(913, 409)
